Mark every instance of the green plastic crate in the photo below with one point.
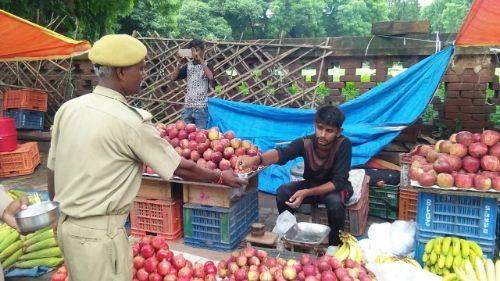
(384, 201)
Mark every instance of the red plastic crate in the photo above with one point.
(21, 161)
(25, 99)
(356, 216)
(408, 201)
(157, 217)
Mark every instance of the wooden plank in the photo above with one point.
(157, 188)
(400, 27)
(268, 239)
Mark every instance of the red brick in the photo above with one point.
(479, 101)
(350, 71)
(461, 101)
(469, 78)
(489, 109)
(453, 86)
(350, 78)
(496, 86)
(369, 85)
(451, 78)
(472, 125)
(472, 109)
(451, 115)
(380, 78)
(480, 117)
(452, 94)
(489, 124)
(335, 92)
(350, 63)
(362, 91)
(451, 108)
(335, 85)
(468, 71)
(472, 94)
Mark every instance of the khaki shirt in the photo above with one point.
(98, 147)
(5, 200)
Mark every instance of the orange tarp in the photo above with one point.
(24, 40)
(482, 25)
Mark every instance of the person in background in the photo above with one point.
(198, 73)
(98, 148)
(327, 161)
(8, 209)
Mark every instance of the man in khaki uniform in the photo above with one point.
(8, 208)
(98, 148)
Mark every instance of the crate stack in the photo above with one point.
(220, 228)
(384, 201)
(27, 107)
(156, 210)
(408, 197)
(21, 161)
(468, 217)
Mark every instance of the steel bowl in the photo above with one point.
(37, 216)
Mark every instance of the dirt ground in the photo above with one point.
(38, 181)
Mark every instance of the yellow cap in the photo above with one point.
(118, 50)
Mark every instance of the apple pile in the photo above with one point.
(153, 261)
(208, 148)
(253, 265)
(465, 160)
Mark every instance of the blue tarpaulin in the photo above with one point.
(373, 120)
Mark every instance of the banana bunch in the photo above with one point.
(443, 254)
(16, 194)
(350, 248)
(480, 269)
(35, 249)
(408, 260)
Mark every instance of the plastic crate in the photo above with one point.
(158, 217)
(384, 201)
(422, 237)
(25, 99)
(21, 161)
(27, 119)
(408, 201)
(498, 229)
(356, 216)
(220, 228)
(467, 216)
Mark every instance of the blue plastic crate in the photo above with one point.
(220, 228)
(448, 215)
(421, 239)
(27, 119)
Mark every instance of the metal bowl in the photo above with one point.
(37, 216)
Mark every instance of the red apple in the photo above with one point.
(427, 179)
(419, 159)
(415, 172)
(211, 165)
(224, 165)
(445, 180)
(478, 149)
(495, 150)
(495, 183)
(251, 152)
(182, 135)
(201, 148)
(184, 143)
(186, 153)
(442, 166)
(190, 128)
(218, 147)
(225, 143)
(178, 150)
(432, 156)
(424, 150)
(193, 145)
(200, 137)
(482, 182)
(490, 137)
(471, 164)
(455, 162)
(476, 137)
(490, 163)
(172, 133)
(229, 135)
(195, 155)
(175, 142)
(445, 146)
(289, 273)
(207, 154)
(465, 138)
(458, 149)
(463, 181)
(216, 157)
(240, 151)
(453, 138)
(180, 125)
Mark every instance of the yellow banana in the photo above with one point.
(465, 248)
(425, 257)
(446, 245)
(456, 246)
(457, 261)
(449, 260)
(476, 249)
(437, 245)
(441, 261)
(428, 247)
(433, 258)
